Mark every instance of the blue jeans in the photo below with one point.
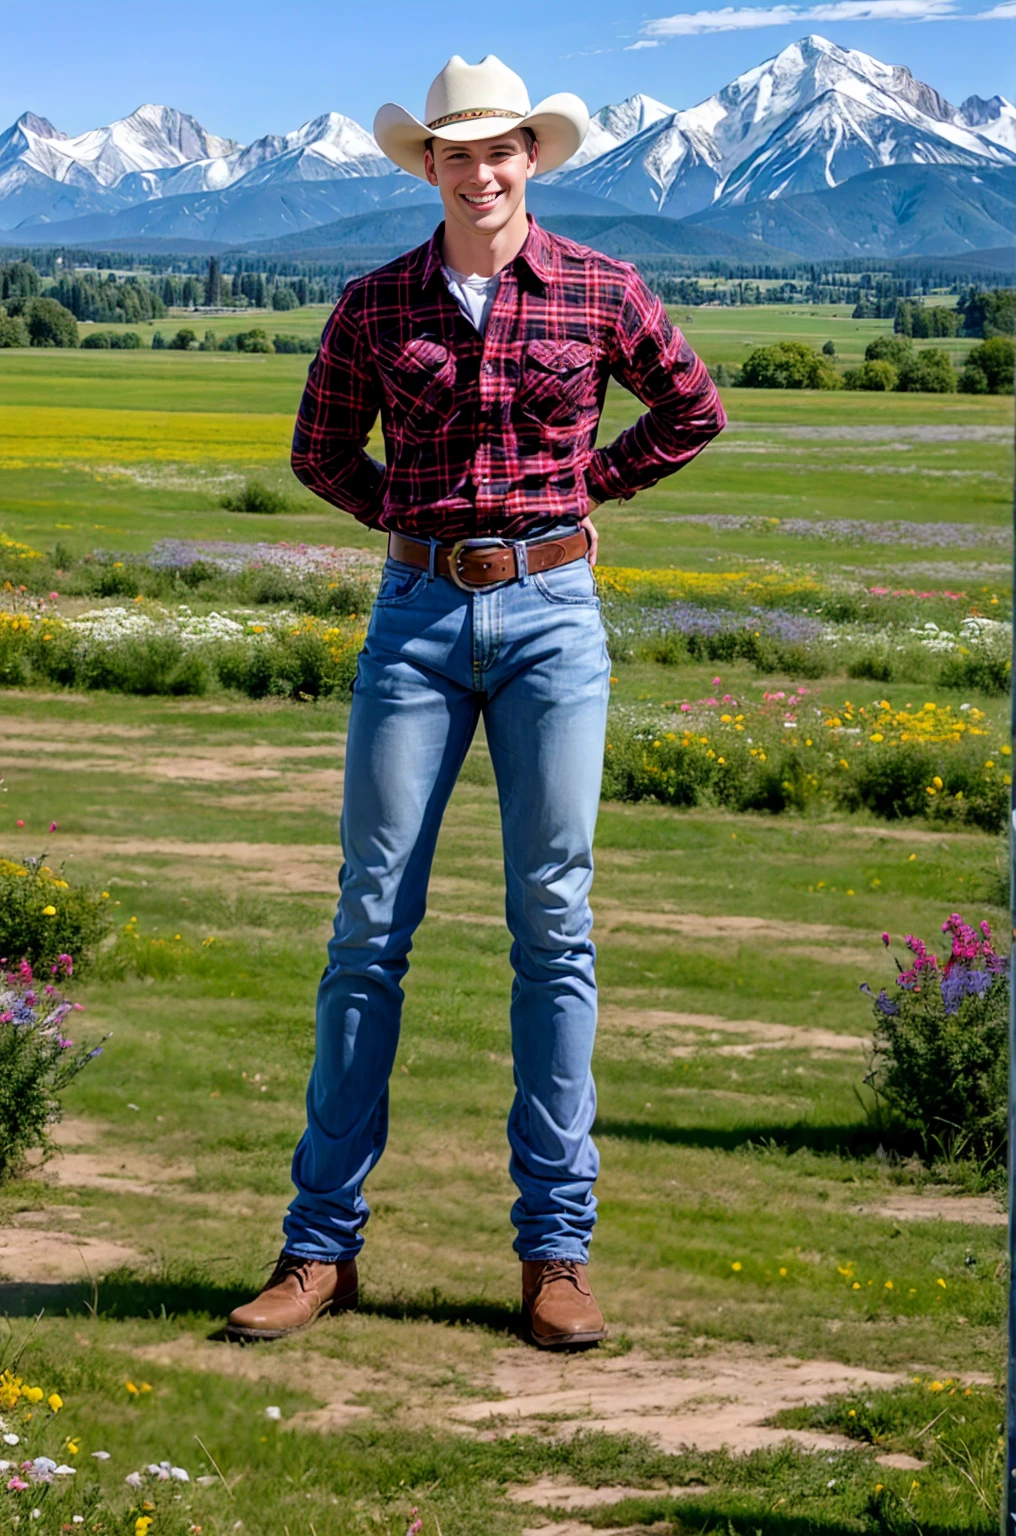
(532, 658)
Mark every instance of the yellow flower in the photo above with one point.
(852, 1413)
(937, 782)
(131, 1388)
(877, 736)
(736, 1266)
(856, 1285)
(142, 1525)
(941, 1282)
(145, 1387)
(49, 911)
(783, 1273)
(889, 1285)
(73, 1447)
(34, 1394)
(935, 1386)
(55, 1401)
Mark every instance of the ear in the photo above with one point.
(429, 169)
(534, 155)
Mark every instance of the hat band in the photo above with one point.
(470, 113)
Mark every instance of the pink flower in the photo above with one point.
(715, 681)
(17, 1485)
(53, 596)
(19, 823)
(52, 826)
(885, 940)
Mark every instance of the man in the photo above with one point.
(487, 352)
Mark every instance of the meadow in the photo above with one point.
(807, 1320)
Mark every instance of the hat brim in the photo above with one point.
(559, 122)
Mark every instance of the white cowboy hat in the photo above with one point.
(479, 101)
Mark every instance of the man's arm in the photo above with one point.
(653, 360)
(340, 404)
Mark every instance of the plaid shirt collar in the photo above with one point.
(537, 254)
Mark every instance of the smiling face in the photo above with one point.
(482, 181)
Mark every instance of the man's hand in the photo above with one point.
(593, 535)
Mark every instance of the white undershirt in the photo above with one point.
(473, 294)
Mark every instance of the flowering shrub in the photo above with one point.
(787, 751)
(162, 651)
(940, 1054)
(37, 1058)
(42, 916)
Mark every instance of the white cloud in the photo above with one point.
(643, 42)
(1004, 12)
(730, 18)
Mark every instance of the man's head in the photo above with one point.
(482, 182)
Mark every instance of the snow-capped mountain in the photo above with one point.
(804, 121)
(800, 124)
(994, 119)
(613, 125)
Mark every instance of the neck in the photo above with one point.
(468, 251)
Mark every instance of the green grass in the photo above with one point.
(218, 819)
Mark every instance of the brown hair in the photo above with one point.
(527, 134)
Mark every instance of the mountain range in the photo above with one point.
(820, 150)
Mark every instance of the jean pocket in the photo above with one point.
(399, 583)
(573, 583)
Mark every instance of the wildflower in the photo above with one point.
(131, 1388)
(889, 1285)
(134, 1480)
(142, 1525)
(935, 1386)
(55, 1401)
(49, 911)
(783, 1273)
(101, 1455)
(17, 1484)
(273, 1413)
(737, 1266)
(32, 1394)
(941, 1282)
(52, 826)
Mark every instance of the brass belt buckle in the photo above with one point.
(456, 574)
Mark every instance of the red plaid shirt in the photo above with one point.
(494, 434)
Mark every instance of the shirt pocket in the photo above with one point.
(557, 383)
(419, 380)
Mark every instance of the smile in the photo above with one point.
(481, 200)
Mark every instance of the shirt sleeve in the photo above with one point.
(652, 359)
(340, 404)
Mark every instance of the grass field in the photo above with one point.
(807, 1330)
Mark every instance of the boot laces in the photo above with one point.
(560, 1269)
(289, 1264)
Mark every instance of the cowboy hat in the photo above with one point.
(470, 101)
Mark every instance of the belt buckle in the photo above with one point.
(478, 543)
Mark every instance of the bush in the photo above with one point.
(185, 340)
(255, 340)
(929, 373)
(126, 341)
(940, 1057)
(875, 374)
(49, 324)
(988, 369)
(300, 344)
(787, 365)
(829, 349)
(43, 916)
(209, 342)
(255, 496)
(889, 349)
(96, 341)
(37, 1061)
(283, 297)
(158, 342)
(13, 331)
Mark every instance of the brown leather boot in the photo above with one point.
(297, 1294)
(558, 1306)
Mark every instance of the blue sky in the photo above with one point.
(245, 71)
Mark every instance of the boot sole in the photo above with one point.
(257, 1335)
(562, 1340)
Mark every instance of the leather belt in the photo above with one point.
(475, 564)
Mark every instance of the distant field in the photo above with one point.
(118, 449)
(718, 335)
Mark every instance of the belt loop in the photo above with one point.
(521, 561)
(431, 557)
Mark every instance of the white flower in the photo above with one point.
(11, 1440)
(65, 1471)
(77, 1519)
(273, 1413)
(101, 1455)
(134, 1480)
(179, 1474)
(5, 1466)
(43, 1464)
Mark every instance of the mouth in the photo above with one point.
(481, 199)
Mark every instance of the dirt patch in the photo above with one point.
(136, 1175)
(910, 1205)
(30, 1256)
(760, 1033)
(709, 1403)
(559, 1493)
(699, 925)
(580, 1528)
